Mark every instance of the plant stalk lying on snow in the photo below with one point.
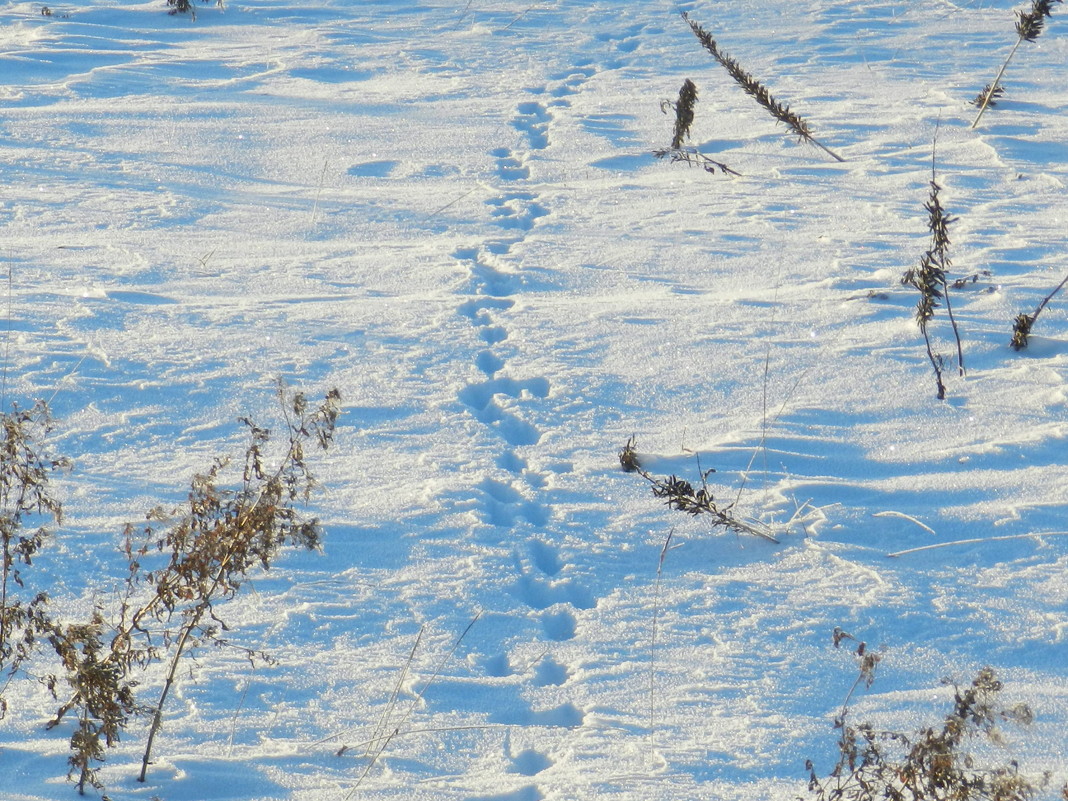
(757, 90)
(695, 158)
(989, 96)
(680, 494)
(1029, 25)
(1021, 329)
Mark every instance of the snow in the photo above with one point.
(449, 211)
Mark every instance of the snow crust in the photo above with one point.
(449, 211)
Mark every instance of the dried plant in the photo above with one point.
(695, 158)
(757, 90)
(684, 112)
(1029, 26)
(25, 498)
(684, 116)
(224, 534)
(930, 280)
(988, 97)
(1021, 329)
(187, 7)
(103, 695)
(182, 7)
(679, 494)
(867, 661)
(201, 557)
(932, 765)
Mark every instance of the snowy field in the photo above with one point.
(450, 212)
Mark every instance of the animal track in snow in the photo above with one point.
(477, 309)
(504, 505)
(528, 793)
(529, 762)
(571, 80)
(533, 121)
(559, 625)
(516, 210)
(480, 396)
(513, 497)
(614, 128)
(509, 168)
(489, 363)
(550, 673)
(541, 594)
(545, 558)
(497, 666)
(567, 715)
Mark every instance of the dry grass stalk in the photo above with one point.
(694, 158)
(1024, 322)
(684, 116)
(684, 112)
(679, 494)
(930, 279)
(757, 90)
(1029, 26)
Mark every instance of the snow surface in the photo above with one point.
(449, 211)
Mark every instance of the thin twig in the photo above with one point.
(694, 158)
(904, 516)
(397, 688)
(652, 647)
(411, 708)
(974, 540)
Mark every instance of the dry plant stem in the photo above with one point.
(757, 90)
(1029, 26)
(940, 387)
(396, 732)
(409, 732)
(995, 85)
(930, 280)
(172, 669)
(903, 516)
(396, 691)
(652, 646)
(1024, 322)
(694, 158)
(680, 495)
(974, 540)
(939, 223)
(684, 113)
(988, 96)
